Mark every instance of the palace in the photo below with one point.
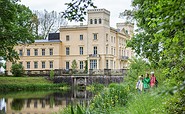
(97, 44)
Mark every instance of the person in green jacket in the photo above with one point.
(146, 82)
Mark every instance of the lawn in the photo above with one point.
(28, 83)
(24, 80)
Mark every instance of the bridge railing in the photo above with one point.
(70, 72)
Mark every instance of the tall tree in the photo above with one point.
(47, 22)
(15, 27)
(161, 36)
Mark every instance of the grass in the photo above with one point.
(28, 83)
(24, 80)
(145, 103)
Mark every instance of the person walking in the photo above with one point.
(153, 80)
(146, 82)
(139, 84)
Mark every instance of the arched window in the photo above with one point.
(99, 21)
(91, 21)
(95, 21)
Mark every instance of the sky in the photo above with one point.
(114, 6)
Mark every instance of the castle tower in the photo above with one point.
(98, 17)
(129, 27)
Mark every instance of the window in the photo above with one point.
(81, 37)
(67, 50)
(28, 65)
(95, 50)
(81, 50)
(36, 52)
(111, 64)
(111, 38)
(107, 64)
(43, 52)
(51, 64)
(95, 21)
(114, 39)
(43, 104)
(99, 21)
(28, 52)
(126, 31)
(107, 38)
(43, 64)
(35, 64)
(20, 52)
(91, 21)
(67, 37)
(106, 50)
(35, 104)
(112, 50)
(93, 64)
(28, 103)
(67, 65)
(95, 36)
(20, 63)
(50, 51)
(81, 65)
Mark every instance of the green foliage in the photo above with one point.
(160, 38)
(17, 70)
(52, 74)
(95, 87)
(76, 9)
(161, 33)
(73, 110)
(146, 103)
(86, 66)
(104, 102)
(17, 104)
(16, 27)
(74, 66)
(137, 67)
(27, 83)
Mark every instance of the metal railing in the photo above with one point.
(124, 57)
(94, 55)
(70, 72)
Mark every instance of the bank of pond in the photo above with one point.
(29, 83)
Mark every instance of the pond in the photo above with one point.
(41, 102)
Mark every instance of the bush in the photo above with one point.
(51, 74)
(17, 70)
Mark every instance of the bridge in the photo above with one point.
(82, 77)
(78, 80)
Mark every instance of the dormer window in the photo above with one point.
(95, 21)
(126, 31)
(99, 21)
(91, 21)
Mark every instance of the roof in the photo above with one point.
(45, 40)
(54, 36)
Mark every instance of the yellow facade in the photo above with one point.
(102, 46)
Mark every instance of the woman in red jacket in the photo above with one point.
(152, 80)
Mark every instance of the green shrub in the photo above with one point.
(52, 74)
(17, 70)
(111, 97)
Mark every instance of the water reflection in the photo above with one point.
(34, 103)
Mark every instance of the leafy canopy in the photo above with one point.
(160, 35)
(15, 27)
(76, 9)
